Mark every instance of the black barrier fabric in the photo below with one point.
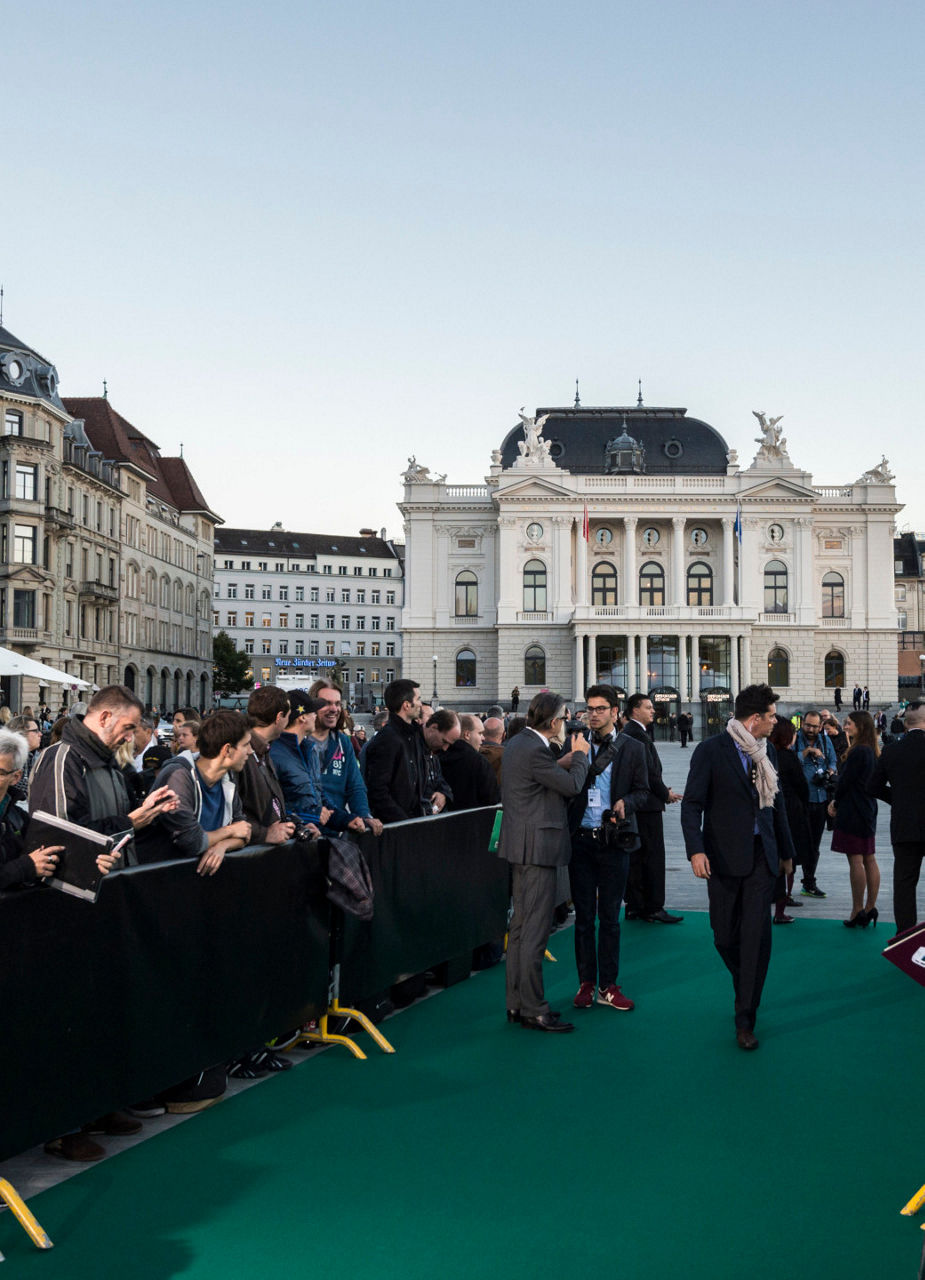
(168, 973)
(439, 894)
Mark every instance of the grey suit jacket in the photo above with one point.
(534, 795)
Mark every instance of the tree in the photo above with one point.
(230, 669)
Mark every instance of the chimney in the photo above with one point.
(367, 533)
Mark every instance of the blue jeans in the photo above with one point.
(597, 875)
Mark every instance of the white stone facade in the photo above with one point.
(662, 578)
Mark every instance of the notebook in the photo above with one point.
(76, 872)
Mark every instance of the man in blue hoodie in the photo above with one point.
(342, 784)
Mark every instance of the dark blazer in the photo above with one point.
(396, 771)
(855, 808)
(470, 776)
(796, 801)
(534, 792)
(720, 809)
(658, 792)
(898, 779)
(629, 782)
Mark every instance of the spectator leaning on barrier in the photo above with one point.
(468, 772)
(396, 759)
(440, 732)
(259, 786)
(296, 761)
(208, 820)
(77, 777)
(342, 787)
(16, 866)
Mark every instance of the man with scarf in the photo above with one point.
(737, 839)
(602, 821)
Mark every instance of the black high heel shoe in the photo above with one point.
(856, 922)
(871, 917)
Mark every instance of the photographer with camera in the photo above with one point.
(604, 832)
(820, 765)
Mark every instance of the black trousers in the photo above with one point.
(597, 875)
(818, 812)
(907, 863)
(740, 916)
(645, 884)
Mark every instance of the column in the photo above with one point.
(630, 584)
(643, 663)
(728, 561)
(695, 668)
(581, 567)
(747, 660)
(676, 597)
(632, 683)
(734, 664)
(579, 667)
(592, 660)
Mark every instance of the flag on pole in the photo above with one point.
(737, 527)
(586, 525)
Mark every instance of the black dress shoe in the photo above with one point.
(513, 1015)
(630, 914)
(745, 1038)
(546, 1022)
(663, 917)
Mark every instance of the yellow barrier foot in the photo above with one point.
(24, 1217)
(547, 955)
(365, 1023)
(908, 1210)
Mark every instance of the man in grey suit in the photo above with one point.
(535, 840)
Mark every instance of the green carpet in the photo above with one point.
(646, 1143)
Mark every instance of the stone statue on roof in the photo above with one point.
(415, 473)
(772, 441)
(880, 474)
(533, 448)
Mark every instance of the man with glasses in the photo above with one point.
(535, 789)
(602, 821)
(29, 728)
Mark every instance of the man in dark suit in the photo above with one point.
(897, 779)
(534, 839)
(602, 820)
(645, 888)
(737, 839)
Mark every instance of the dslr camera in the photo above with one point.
(620, 833)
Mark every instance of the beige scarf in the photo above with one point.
(757, 751)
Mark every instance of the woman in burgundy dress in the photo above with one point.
(855, 815)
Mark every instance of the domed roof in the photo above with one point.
(26, 373)
(674, 444)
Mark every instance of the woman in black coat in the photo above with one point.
(855, 816)
(796, 799)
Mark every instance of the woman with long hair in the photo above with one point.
(855, 815)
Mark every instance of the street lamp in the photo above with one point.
(433, 700)
(922, 672)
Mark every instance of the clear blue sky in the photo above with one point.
(311, 239)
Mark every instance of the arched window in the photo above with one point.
(834, 670)
(778, 669)
(651, 584)
(833, 595)
(699, 583)
(775, 587)
(535, 665)
(534, 587)
(604, 584)
(465, 669)
(467, 595)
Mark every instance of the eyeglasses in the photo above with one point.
(9, 773)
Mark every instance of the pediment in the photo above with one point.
(534, 488)
(778, 490)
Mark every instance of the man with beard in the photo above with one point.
(342, 785)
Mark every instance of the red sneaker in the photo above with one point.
(615, 998)
(585, 997)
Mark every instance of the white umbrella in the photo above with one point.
(17, 664)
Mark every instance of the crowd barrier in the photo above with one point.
(170, 972)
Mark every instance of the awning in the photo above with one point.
(17, 664)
